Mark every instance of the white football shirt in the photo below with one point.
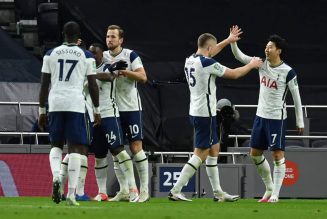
(274, 85)
(107, 94)
(69, 66)
(128, 98)
(201, 73)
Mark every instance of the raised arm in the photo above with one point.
(234, 33)
(239, 55)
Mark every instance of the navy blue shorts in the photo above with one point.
(70, 127)
(132, 126)
(108, 135)
(205, 131)
(268, 133)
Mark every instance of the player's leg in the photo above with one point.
(80, 193)
(188, 171)
(213, 175)
(74, 167)
(63, 175)
(100, 149)
(277, 131)
(140, 158)
(126, 165)
(122, 194)
(259, 143)
(278, 174)
(142, 166)
(134, 128)
(56, 134)
(202, 144)
(114, 130)
(122, 122)
(77, 135)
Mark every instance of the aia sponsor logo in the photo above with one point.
(270, 83)
(291, 173)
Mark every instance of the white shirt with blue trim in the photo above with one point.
(128, 98)
(201, 73)
(69, 66)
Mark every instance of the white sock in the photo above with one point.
(187, 172)
(126, 165)
(74, 166)
(63, 172)
(142, 166)
(55, 157)
(101, 173)
(279, 174)
(263, 169)
(82, 176)
(123, 184)
(213, 174)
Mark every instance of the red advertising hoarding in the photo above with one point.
(30, 175)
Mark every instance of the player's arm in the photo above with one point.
(236, 73)
(93, 89)
(239, 55)
(43, 97)
(94, 93)
(137, 75)
(104, 76)
(137, 71)
(294, 88)
(234, 33)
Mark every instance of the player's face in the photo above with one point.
(98, 54)
(272, 52)
(113, 41)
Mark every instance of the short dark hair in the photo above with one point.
(116, 27)
(204, 38)
(98, 45)
(71, 30)
(279, 42)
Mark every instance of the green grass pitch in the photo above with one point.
(44, 208)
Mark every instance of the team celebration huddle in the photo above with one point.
(94, 107)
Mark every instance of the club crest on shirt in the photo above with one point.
(270, 83)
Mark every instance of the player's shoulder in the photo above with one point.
(130, 53)
(207, 61)
(87, 53)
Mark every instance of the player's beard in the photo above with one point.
(112, 47)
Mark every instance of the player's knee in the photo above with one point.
(57, 145)
(277, 155)
(136, 146)
(115, 151)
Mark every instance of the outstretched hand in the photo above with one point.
(234, 34)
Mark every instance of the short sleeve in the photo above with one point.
(45, 65)
(212, 66)
(90, 66)
(135, 60)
